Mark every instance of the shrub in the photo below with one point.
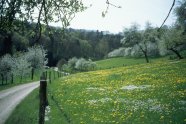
(7, 66)
(60, 63)
(81, 64)
(36, 55)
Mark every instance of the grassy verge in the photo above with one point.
(27, 111)
(28, 79)
(145, 93)
(17, 80)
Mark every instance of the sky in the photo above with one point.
(132, 11)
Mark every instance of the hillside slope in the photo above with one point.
(145, 93)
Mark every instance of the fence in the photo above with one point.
(43, 102)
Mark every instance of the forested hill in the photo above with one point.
(60, 44)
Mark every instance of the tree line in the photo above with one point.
(17, 35)
(62, 44)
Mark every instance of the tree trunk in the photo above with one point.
(32, 71)
(12, 79)
(146, 57)
(145, 53)
(176, 52)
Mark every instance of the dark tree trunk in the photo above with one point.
(12, 79)
(176, 52)
(145, 54)
(146, 57)
(32, 73)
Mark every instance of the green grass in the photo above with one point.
(27, 111)
(159, 95)
(17, 80)
(123, 61)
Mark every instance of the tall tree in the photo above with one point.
(148, 36)
(142, 38)
(13, 12)
(174, 39)
(180, 12)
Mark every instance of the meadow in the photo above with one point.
(151, 93)
(145, 93)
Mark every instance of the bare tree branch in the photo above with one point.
(108, 4)
(168, 14)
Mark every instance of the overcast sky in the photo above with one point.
(116, 20)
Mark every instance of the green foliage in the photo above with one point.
(47, 11)
(20, 42)
(61, 63)
(180, 13)
(173, 37)
(132, 36)
(174, 40)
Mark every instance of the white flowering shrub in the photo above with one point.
(36, 56)
(79, 65)
(126, 51)
(23, 67)
(84, 65)
(136, 52)
(153, 49)
(7, 66)
(117, 52)
(72, 62)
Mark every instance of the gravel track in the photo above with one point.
(11, 97)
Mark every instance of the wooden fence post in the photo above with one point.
(43, 98)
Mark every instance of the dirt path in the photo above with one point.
(10, 98)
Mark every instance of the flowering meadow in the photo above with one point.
(145, 93)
